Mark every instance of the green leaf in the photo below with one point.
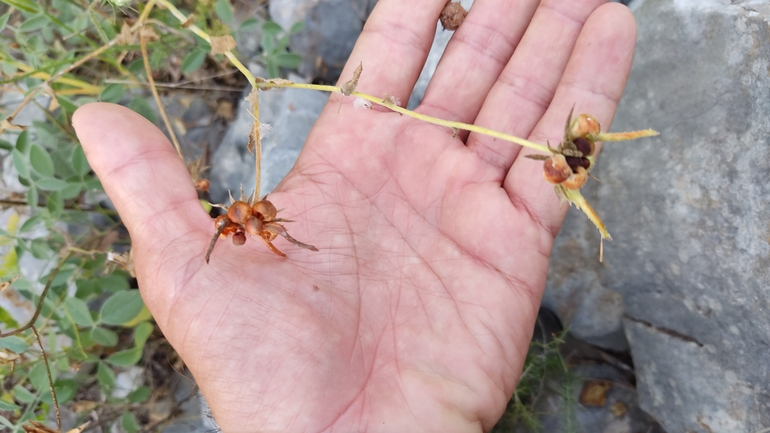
(5, 145)
(38, 376)
(129, 423)
(41, 161)
(224, 10)
(141, 106)
(4, 20)
(140, 395)
(23, 395)
(288, 60)
(65, 390)
(113, 283)
(32, 197)
(51, 184)
(34, 23)
(79, 161)
(87, 288)
(55, 204)
(104, 337)
(271, 28)
(5, 317)
(193, 60)
(249, 24)
(14, 344)
(10, 407)
(121, 307)
(268, 44)
(40, 249)
(25, 5)
(22, 143)
(79, 312)
(126, 358)
(272, 69)
(142, 333)
(71, 191)
(297, 27)
(112, 93)
(31, 223)
(68, 105)
(105, 375)
(20, 163)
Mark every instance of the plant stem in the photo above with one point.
(148, 70)
(50, 379)
(39, 307)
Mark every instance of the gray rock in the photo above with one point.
(689, 216)
(331, 30)
(291, 114)
(288, 12)
(688, 387)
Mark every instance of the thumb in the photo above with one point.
(141, 173)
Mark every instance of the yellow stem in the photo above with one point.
(429, 119)
(148, 70)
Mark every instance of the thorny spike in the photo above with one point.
(569, 120)
(230, 194)
(220, 228)
(243, 196)
(279, 230)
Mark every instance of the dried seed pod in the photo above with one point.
(584, 125)
(265, 210)
(452, 16)
(239, 238)
(253, 226)
(239, 211)
(584, 146)
(556, 170)
(576, 179)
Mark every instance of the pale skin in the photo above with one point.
(416, 313)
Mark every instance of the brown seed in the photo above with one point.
(585, 125)
(452, 16)
(239, 238)
(577, 179)
(556, 170)
(202, 185)
(239, 211)
(574, 162)
(584, 146)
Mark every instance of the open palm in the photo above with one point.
(416, 313)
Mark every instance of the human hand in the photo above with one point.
(416, 313)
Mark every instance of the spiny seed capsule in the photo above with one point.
(584, 146)
(585, 125)
(556, 170)
(239, 211)
(576, 179)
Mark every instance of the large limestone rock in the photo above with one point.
(689, 212)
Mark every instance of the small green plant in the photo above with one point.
(544, 367)
(275, 43)
(56, 56)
